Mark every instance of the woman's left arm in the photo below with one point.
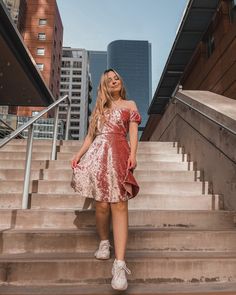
(133, 136)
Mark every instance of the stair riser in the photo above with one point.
(20, 164)
(29, 219)
(162, 157)
(194, 188)
(18, 174)
(139, 175)
(22, 148)
(21, 156)
(15, 187)
(91, 271)
(15, 243)
(141, 149)
(156, 202)
(144, 166)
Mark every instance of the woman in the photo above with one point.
(102, 168)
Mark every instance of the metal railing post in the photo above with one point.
(55, 129)
(25, 198)
(68, 119)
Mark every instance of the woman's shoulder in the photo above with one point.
(131, 105)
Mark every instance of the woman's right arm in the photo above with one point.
(86, 144)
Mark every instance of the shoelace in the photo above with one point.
(104, 246)
(119, 268)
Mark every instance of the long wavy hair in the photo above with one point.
(103, 102)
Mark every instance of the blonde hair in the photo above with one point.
(103, 102)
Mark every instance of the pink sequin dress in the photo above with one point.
(102, 171)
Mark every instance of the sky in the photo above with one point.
(93, 24)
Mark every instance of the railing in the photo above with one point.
(30, 126)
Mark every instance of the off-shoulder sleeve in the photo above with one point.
(135, 117)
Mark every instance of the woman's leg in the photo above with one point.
(103, 219)
(120, 228)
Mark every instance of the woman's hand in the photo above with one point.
(74, 161)
(132, 163)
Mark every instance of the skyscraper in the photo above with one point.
(97, 65)
(75, 82)
(132, 60)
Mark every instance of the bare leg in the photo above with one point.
(103, 219)
(120, 228)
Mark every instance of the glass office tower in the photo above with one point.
(97, 65)
(132, 60)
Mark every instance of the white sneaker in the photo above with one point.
(103, 251)
(119, 280)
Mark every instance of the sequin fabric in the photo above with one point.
(102, 171)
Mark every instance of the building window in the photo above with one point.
(75, 94)
(76, 86)
(77, 73)
(76, 79)
(65, 64)
(77, 64)
(42, 21)
(65, 79)
(65, 72)
(41, 36)
(40, 51)
(64, 86)
(40, 66)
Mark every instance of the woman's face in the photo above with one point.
(113, 83)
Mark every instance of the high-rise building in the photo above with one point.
(17, 10)
(132, 60)
(76, 83)
(97, 65)
(42, 34)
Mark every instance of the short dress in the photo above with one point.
(102, 172)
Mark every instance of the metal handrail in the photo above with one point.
(205, 115)
(29, 124)
(12, 129)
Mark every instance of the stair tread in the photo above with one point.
(131, 255)
(226, 288)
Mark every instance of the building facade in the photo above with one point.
(17, 10)
(132, 60)
(43, 34)
(97, 65)
(76, 83)
(215, 55)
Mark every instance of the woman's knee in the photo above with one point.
(121, 206)
(102, 207)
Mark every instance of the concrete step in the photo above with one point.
(140, 157)
(215, 288)
(140, 239)
(140, 175)
(158, 144)
(146, 187)
(21, 155)
(15, 186)
(71, 219)
(148, 266)
(141, 149)
(35, 142)
(22, 148)
(143, 201)
(18, 174)
(147, 165)
(20, 164)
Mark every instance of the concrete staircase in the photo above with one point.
(180, 242)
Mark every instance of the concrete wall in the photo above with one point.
(211, 147)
